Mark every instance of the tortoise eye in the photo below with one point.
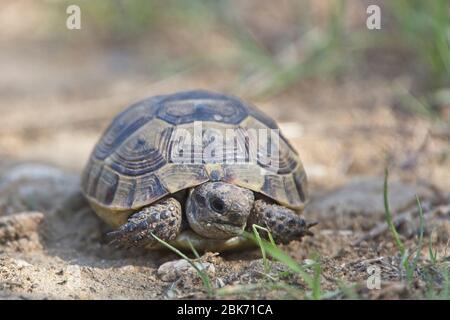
(217, 205)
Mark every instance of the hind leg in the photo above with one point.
(162, 219)
(284, 224)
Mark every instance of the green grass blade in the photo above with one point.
(446, 291)
(421, 230)
(203, 275)
(388, 216)
(316, 290)
(259, 241)
(279, 255)
(194, 251)
(432, 253)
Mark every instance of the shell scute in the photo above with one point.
(133, 164)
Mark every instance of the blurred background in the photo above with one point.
(352, 100)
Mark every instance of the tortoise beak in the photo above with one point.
(228, 230)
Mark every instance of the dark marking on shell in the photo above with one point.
(111, 188)
(147, 161)
(183, 108)
(138, 143)
(131, 193)
(124, 125)
(95, 174)
(149, 189)
(301, 182)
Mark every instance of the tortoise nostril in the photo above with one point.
(217, 205)
(200, 200)
(236, 218)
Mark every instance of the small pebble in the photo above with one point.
(21, 264)
(172, 270)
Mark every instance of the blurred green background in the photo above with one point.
(274, 46)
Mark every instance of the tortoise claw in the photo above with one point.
(131, 232)
(120, 239)
(163, 219)
(308, 226)
(311, 224)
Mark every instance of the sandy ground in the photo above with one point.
(58, 250)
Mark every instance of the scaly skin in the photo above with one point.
(163, 219)
(214, 210)
(218, 210)
(284, 224)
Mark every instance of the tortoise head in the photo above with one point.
(218, 210)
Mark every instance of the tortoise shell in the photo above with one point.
(134, 163)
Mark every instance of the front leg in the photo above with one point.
(163, 219)
(284, 224)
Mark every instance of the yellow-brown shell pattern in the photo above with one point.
(132, 165)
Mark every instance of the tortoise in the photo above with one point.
(159, 170)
